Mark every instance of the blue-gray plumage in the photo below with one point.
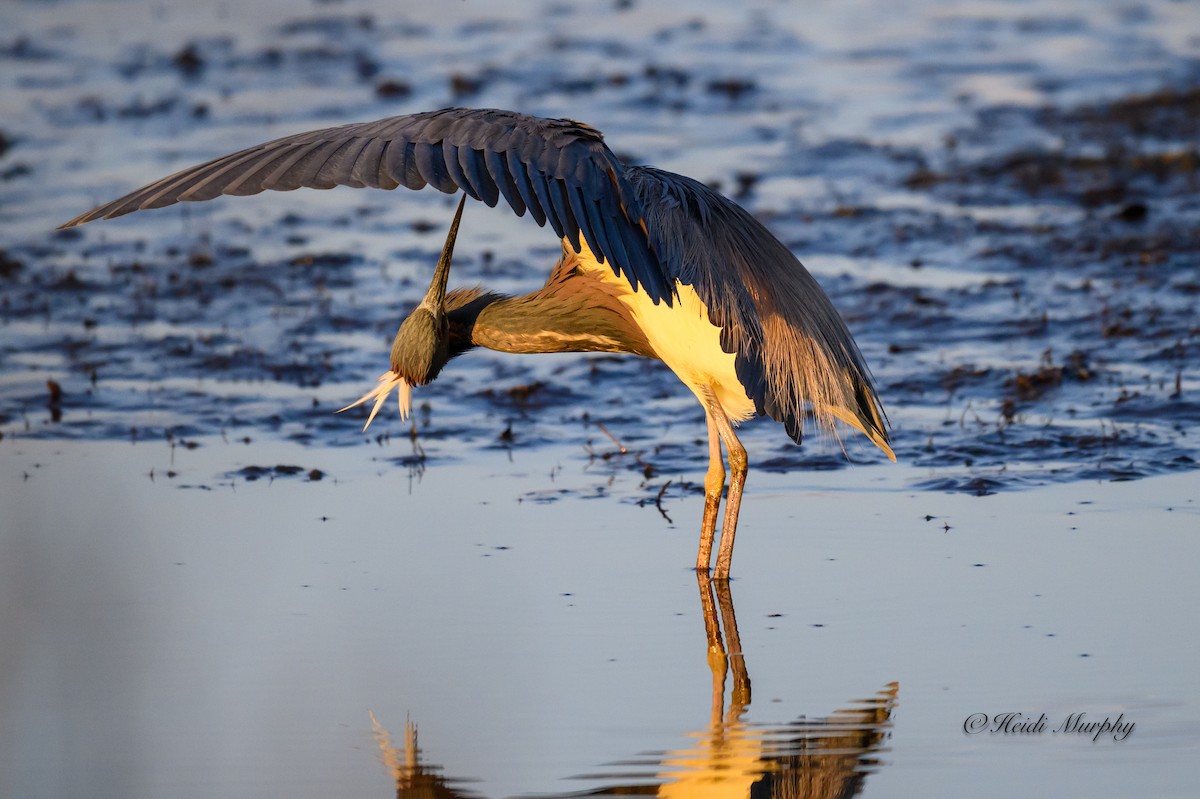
(653, 263)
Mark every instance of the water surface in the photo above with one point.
(212, 585)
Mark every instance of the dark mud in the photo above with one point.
(1025, 285)
(1109, 297)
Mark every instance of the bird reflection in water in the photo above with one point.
(828, 757)
(414, 779)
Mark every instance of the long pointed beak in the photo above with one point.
(434, 302)
(436, 296)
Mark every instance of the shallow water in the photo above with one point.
(212, 581)
(206, 637)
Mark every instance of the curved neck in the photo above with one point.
(555, 318)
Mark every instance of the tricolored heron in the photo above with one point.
(653, 263)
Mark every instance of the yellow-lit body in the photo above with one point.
(682, 337)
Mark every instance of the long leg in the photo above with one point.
(737, 480)
(714, 484)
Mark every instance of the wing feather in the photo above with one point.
(371, 167)
(552, 168)
(451, 156)
(474, 167)
(431, 161)
(285, 176)
(794, 353)
(542, 193)
(180, 185)
(567, 226)
(339, 168)
(615, 240)
(583, 220)
(498, 168)
(307, 171)
(595, 231)
(402, 164)
(524, 187)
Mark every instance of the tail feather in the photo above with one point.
(867, 419)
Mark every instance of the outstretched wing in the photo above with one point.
(794, 352)
(558, 170)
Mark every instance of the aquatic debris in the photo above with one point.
(189, 61)
(1031, 385)
(270, 473)
(54, 403)
(391, 89)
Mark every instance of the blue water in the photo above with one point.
(1000, 199)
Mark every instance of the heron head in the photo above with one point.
(422, 344)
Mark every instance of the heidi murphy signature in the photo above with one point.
(1075, 724)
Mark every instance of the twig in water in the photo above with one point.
(604, 430)
(658, 502)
